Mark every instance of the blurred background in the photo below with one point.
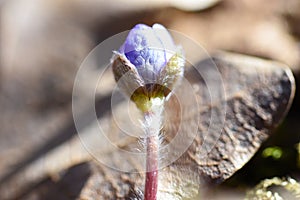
(43, 43)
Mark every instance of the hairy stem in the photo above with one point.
(152, 168)
(152, 125)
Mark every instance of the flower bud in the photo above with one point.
(148, 64)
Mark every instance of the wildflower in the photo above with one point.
(148, 64)
(147, 69)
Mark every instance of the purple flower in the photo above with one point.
(148, 63)
(149, 49)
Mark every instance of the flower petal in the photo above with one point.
(144, 49)
(164, 36)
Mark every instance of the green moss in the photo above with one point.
(264, 191)
(275, 152)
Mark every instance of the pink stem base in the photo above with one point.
(152, 168)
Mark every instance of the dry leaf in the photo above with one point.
(254, 96)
